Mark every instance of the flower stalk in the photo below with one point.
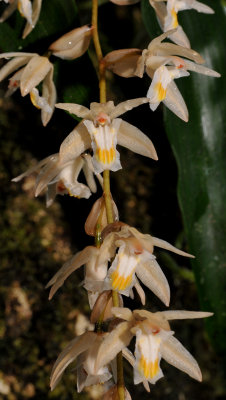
(106, 178)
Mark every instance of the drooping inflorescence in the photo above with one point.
(121, 260)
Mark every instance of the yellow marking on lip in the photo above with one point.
(161, 91)
(119, 282)
(106, 156)
(148, 369)
(33, 100)
(174, 16)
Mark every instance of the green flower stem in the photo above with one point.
(106, 177)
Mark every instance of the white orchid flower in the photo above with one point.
(134, 260)
(29, 10)
(60, 178)
(163, 63)
(31, 69)
(102, 130)
(167, 16)
(154, 340)
(134, 257)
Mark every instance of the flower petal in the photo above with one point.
(165, 245)
(176, 354)
(175, 102)
(35, 168)
(36, 9)
(200, 7)
(182, 314)
(12, 65)
(125, 106)
(49, 94)
(151, 275)
(189, 65)
(70, 266)
(119, 338)
(76, 109)
(34, 72)
(8, 11)
(179, 37)
(133, 139)
(71, 351)
(74, 144)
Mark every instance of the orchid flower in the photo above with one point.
(84, 348)
(134, 260)
(34, 69)
(163, 63)
(154, 340)
(167, 16)
(102, 130)
(29, 10)
(60, 178)
(134, 257)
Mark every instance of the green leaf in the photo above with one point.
(200, 147)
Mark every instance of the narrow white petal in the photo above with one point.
(71, 351)
(126, 106)
(133, 139)
(203, 8)
(8, 11)
(36, 9)
(12, 66)
(175, 102)
(70, 266)
(151, 275)
(176, 354)
(179, 37)
(34, 72)
(182, 314)
(49, 94)
(75, 144)
(119, 338)
(76, 109)
(35, 168)
(165, 245)
(201, 69)
(140, 292)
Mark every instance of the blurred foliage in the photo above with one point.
(36, 241)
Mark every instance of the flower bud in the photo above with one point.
(123, 62)
(73, 44)
(98, 215)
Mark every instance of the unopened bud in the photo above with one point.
(98, 216)
(73, 44)
(123, 62)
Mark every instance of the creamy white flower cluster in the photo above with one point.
(125, 256)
